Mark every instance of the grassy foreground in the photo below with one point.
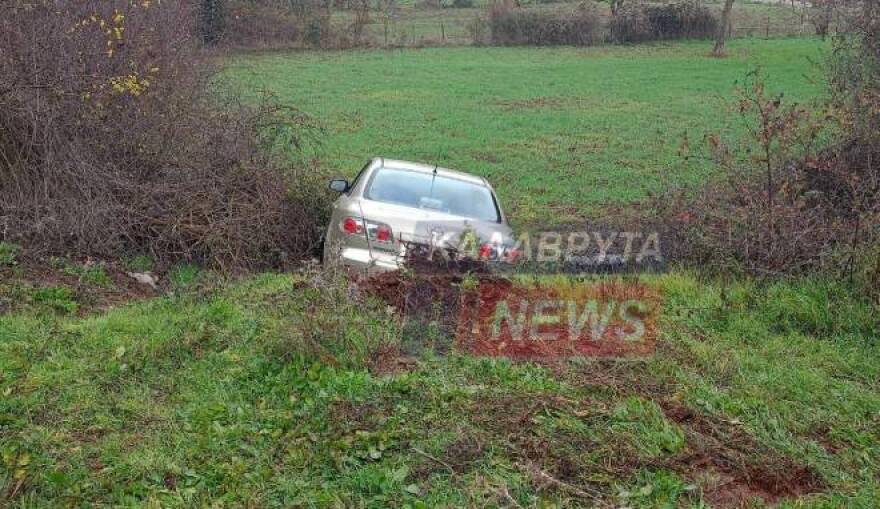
(263, 393)
(560, 132)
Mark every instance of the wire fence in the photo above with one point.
(414, 29)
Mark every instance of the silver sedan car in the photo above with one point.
(392, 206)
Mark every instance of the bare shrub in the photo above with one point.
(821, 15)
(112, 141)
(265, 24)
(630, 24)
(478, 30)
(253, 26)
(211, 20)
(513, 26)
(682, 20)
(854, 173)
(358, 26)
(787, 208)
(804, 195)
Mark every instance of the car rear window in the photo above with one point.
(433, 192)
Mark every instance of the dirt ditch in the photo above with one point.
(490, 315)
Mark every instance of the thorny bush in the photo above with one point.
(114, 140)
(803, 195)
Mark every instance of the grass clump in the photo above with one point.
(138, 263)
(184, 275)
(9, 253)
(90, 274)
(650, 431)
(58, 298)
(192, 365)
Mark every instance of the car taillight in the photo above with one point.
(486, 251)
(352, 226)
(383, 233)
(379, 232)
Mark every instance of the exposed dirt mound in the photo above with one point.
(464, 452)
(731, 466)
(628, 311)
(622, 377)
(114, 288)
(390, 360)
(513, 421)
(348, 416)
(491, 315)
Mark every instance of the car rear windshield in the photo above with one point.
(433, 192)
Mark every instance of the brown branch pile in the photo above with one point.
(115, 140)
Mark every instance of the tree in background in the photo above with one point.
(615, 6)
(211, 20)
(718, 51)
(823, 11)
(855, 75)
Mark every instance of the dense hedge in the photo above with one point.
(519, 27)
(641, 23)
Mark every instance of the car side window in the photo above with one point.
(358, 177)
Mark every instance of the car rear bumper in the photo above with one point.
(362, 260)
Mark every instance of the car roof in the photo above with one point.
(428, 168)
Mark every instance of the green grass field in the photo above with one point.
(559, 132)
(266, 391)
(218, 396)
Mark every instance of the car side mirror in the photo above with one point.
(339, 185)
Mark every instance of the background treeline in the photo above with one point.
(340, 24)
(310, 23)
(585, 26)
